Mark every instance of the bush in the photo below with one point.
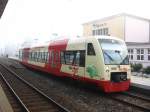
(136, 67)
(147, 70)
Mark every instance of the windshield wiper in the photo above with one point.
(122, 62)
(117, 51)
(109, 56)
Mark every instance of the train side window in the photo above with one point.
(38, 57)
(20, 54)
(90, 49)
(82, 58)
(43, 56)
(35, 56)
(47, 59)
(52, 57)
(30, 56)
(57, 56)
(69, 57)
(77, 58)
(62, 57)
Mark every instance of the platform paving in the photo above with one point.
(140, 82)
(4, 103)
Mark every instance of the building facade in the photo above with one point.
(135, 31)
(139, 53)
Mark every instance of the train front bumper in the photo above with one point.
(108, 86)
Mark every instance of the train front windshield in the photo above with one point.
(114, 52)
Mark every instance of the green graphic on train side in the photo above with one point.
(91, 69)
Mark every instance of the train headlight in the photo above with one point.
(107, 69)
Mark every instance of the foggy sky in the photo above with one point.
(25, 20)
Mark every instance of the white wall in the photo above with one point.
(136, 30)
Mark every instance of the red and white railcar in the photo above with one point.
(101, 60)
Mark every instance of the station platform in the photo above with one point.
(140, 82)
(4, 103)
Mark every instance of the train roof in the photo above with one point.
(72, 40)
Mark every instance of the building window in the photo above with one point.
(142, 57)
(130, 54)
(138, 51)
(93, 32)
(131, 57)
(131, 51)
(148, 50)
(148, 57)
(138, 57)
(142, 51)
(105, 31)
(148, 53)
(140, 54)
(102, 31)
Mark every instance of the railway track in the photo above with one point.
(139, 102)
(146, 98)
(16, 105)
(133, 100)
(29, 98)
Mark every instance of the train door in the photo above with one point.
(55, 61)
(91, 62)
(79, 62)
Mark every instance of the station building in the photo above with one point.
(134, 30)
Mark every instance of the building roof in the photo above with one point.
(114, 16)
(2, 6)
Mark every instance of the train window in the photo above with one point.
(32, 56)
(90, 49)
(52, 57)
(42, 57)
(73, 57)
(62, 57)
(57, 57)
(29, 55)
(38, 57)
(19, 54)
(35, 56)
(82, 58)
(77, 58)
(47, 59)
(45, 56)
(69, 57)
